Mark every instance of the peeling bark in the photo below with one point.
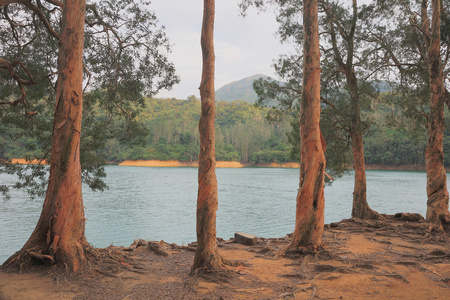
(59, 236)
(207, 257)
(309, 222)
(360, 207)
(437, 193)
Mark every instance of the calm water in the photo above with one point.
(159, 203)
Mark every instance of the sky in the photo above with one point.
(244, 46)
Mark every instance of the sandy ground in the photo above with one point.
(219, 164)
(363, 260)
(175, 163)
(23, 161)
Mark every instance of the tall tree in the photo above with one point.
(344, 55)
(309, 221)
(437, 192)
(125, 59)
(59, 235)
(207, 257)
(347, 67)
(417, 49)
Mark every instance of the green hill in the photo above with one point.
(239, 90)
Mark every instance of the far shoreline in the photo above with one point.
(235, 164)
(194, 164)
(230, 164)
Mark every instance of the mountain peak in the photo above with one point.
(239, 90)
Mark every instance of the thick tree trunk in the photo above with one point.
(59, 236)
(438, 197)
(360, 208)
(207, 257)
(309, 222)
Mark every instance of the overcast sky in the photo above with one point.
(243, 46)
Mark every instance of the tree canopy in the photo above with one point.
(125, 58)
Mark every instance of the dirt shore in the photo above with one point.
(230, 164)
(175, 163)
(219, 164)
(391, 259)
(23, 161)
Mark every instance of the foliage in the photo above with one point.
(125, 58)
(241, 131)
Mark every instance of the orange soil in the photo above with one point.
(23, 161)
(157, 163)
(175, 163)
(363, 260)
(277, 165)
(219, 164)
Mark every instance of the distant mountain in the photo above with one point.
(243, 89)
(239, 90)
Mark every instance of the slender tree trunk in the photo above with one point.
(438, 197)
(59, 235)
(207, 257)
(309, 222)
(360, 208)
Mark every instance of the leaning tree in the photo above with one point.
(309, 222)
(124, 57)
(416, 46)
(347, 71)
(59, 235)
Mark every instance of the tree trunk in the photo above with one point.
(309, 222)
(438, 197)
(360, 208)
(207, 257)
(59, 236)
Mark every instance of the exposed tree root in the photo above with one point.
(364, 212)
(398, 248)
(443, 224)
(316, 251)
(410, 217)
(216, 275)
(219, 272)
(157, 248)
(43, 257)
(39, 258)
(25, 259)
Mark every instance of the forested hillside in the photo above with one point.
(243, 134)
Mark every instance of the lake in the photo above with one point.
(159, 204)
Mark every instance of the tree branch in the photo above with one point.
(6, 65)
(42, 17)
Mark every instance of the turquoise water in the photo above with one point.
(159, 204)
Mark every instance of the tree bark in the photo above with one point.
(437, 193)
(207, 257)
(360, 208)
(59, 236)
(309, 222)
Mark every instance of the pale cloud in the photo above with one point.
(243, 46)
